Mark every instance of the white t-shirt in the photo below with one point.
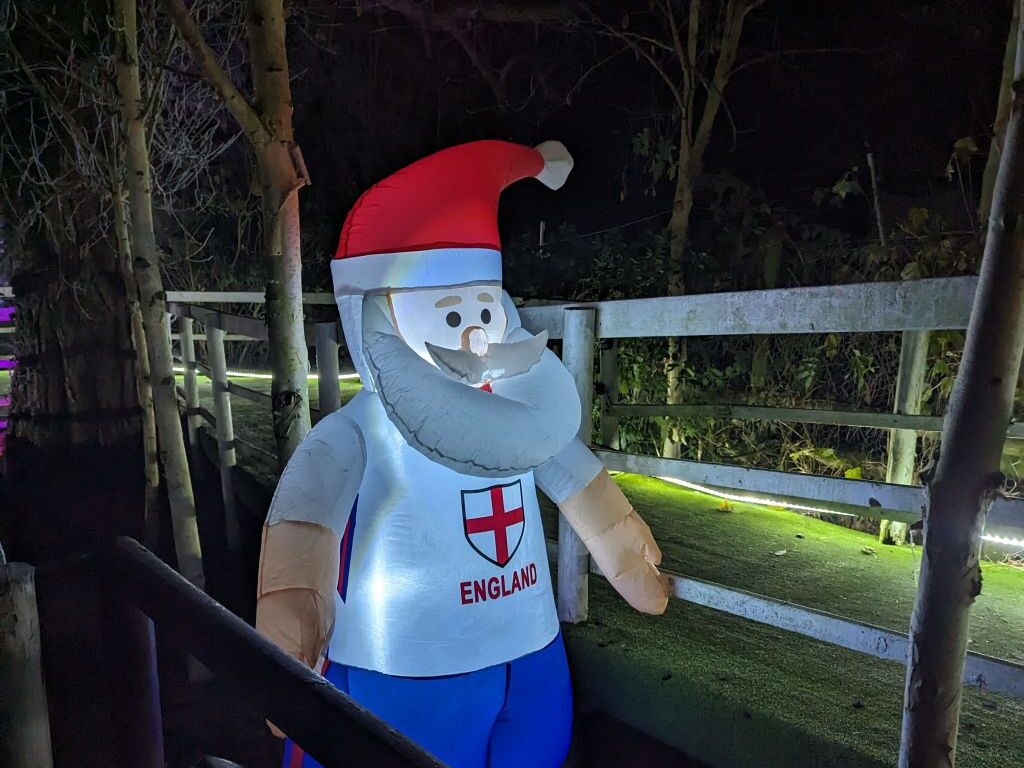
(441, 573)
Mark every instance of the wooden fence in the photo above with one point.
(923, 305)
(222, 327)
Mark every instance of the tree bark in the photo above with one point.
(143, 379)
(281, 176)
(146, 266)
(988, 178)
(966, 476)
(694, 137)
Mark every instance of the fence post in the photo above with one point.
(609, 371)
(225, 430)
(903, 442)
(573, 558)
(188, 359)
(327, 367)
(24, 721)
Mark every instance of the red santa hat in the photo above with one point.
(435, 222)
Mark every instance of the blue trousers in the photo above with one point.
(514, 715)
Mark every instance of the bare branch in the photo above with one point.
(639, 50)
(793, 52)
(205, 57)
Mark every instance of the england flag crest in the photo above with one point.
(494, 521)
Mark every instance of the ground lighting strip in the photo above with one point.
(268, 376)
(801, 507)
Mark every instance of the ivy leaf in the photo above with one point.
(918, 217)
(912, 271)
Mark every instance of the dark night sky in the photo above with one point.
(911, 78)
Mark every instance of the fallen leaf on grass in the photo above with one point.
(780, 552)
(868, 551)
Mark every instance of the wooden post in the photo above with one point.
(130, 647)
(188, 358)
(966, 478)
(610, 384)
(573, 558)
(903, 442)
(24, 721)
(225, 430)
(327, 367)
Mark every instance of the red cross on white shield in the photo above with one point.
(494, 521)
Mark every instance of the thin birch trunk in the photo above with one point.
(966, 477)
(268, 126)
(281, 176)
(143, 381)
(146, 264)
(988, 178)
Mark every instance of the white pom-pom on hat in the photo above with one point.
(557, 164)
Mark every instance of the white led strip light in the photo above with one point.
(1005, 540)
(268, 377)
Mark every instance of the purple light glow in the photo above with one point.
(6, 314)
(6, 365)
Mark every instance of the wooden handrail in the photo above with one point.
(325, 722)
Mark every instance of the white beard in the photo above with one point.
(531, 414)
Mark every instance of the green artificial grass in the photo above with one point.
(732, 692)
(736, 693)
(824, 566)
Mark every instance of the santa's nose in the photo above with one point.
(474, 339)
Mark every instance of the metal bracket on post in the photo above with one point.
(225, 431)
(327, 367)
(573, 558)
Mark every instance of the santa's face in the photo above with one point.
(469, 317)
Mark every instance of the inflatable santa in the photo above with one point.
(403, 555)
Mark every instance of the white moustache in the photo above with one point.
(500, 361)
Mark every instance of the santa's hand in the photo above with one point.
(620, 543)
(295, 601)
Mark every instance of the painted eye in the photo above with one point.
(485, 316)
(454, 319)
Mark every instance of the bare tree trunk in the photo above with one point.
(143, 381)
(694, 137)
(675, 361)
(282, 174)
(966, 476)
(988, 179)
(268, 127)
(146, 263)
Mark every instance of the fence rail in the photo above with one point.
(325, 722)
(840, 418)
(917, 305)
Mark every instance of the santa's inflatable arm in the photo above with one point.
(298, 572)
(617, 538)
